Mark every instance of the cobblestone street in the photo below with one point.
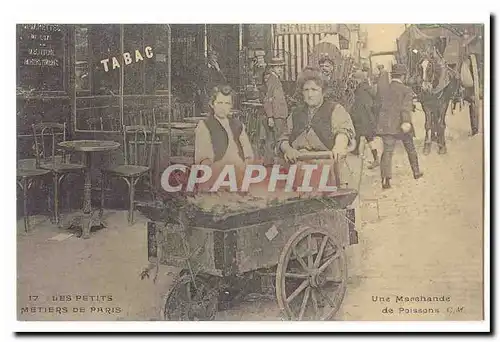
(427, 242)
(429, 239)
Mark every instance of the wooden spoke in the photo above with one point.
(321, 250)
(318, 250)
(297, 291)
(299, 259)
(315, 303)
(180, 300)
(309, 254)
(329, 261)
(304, 303)
(325, 297)
(296, 275)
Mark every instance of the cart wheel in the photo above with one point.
(311, 275)
(191, 301)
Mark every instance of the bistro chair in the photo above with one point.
(251, 116)
(184, 110)
(187, 150)
(95, 124)
(25, 180)
(146, 118)
(50, 157)
(138, 146)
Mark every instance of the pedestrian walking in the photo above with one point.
(394, 123)
(363, 114)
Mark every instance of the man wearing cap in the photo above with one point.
(394, 123)
(327, 67)
(275, 108)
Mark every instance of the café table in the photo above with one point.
(89, 147)
(194, 119)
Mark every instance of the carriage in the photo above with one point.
(462, 44)
(444, 64)
(292, 249)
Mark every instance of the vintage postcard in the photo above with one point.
(250, 172)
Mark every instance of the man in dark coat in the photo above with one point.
(363, 114)
(394, 123)
(275, 108)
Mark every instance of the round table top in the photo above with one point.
(31, 172)
(89, 145)
(176, 125)
(181, 160)
(194, 119)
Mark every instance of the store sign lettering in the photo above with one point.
(128, 58)
(305, 28)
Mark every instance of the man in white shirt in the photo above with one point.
(222, 140)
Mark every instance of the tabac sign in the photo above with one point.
(305, 28)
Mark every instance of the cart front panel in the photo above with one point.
(200, 248)
(260, 246)
(239, 250)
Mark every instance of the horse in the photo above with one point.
(438, 85)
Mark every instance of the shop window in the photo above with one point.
(122, 73)
(188, 62)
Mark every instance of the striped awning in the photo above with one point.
(287, 29)
(295, 42)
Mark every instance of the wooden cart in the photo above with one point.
(298, 244)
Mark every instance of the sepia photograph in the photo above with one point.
(251, 172)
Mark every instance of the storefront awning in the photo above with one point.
(340, 29)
